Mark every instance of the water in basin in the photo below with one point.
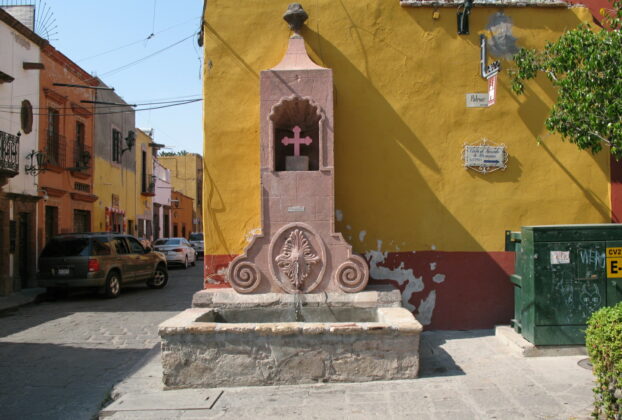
(303, 314)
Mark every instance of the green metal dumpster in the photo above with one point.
(563, 273)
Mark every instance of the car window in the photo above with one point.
(66, 247)
(167, 242)
(185, 242)
(100, 246)
(135, 246)
(196, 236)
(120, 246)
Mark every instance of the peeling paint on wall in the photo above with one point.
(402, 276)
(251, 233)
(433, 266)
(426, 308)
(217, 277)
(338, 215)
(438, 278)
(501, 44)
(362, 235)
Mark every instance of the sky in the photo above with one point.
(103, 36)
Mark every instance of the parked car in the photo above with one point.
(101, 260)
(177, 251)
(196, 240)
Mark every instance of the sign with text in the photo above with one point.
(614, 262)
(492, 90)
(484, 156)
(477, 100)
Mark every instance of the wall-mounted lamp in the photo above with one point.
(487, 71)
(130, 140)
(463, 17)
(37, 162)
(45, 194)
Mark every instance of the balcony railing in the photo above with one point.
(55, 150)
(9, 154)
(82, 159)
(148, 187)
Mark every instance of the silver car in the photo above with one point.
(196, 240)
(177, 251)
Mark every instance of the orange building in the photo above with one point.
(66, 138)
(182, 207)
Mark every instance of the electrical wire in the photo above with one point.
(128, 65)
(108, 105)
(151, 36)
(113, 112)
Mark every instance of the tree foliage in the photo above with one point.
(603, 339)
(585, 67)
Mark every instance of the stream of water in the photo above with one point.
(298, 307)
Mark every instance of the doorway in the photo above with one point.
(24, 232)
(51, 222)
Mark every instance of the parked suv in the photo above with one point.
(196, 240)
(105, 261)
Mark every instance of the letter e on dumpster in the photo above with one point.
(614, 262)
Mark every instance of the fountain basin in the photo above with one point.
(210, 347)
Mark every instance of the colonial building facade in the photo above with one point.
(20, 64)
(413, 103)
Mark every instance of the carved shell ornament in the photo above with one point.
(296, 258)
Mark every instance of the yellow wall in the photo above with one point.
(400, 126)
(111, 179)
(184, 171)
(144, 204)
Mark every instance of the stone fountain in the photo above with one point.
(297, 311)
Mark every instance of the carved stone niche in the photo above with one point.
(298, 250)
(289, 114)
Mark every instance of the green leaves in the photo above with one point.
(585, 67)
(603, 340)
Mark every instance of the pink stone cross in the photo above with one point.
(296, 141)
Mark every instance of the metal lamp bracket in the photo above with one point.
(487, 71)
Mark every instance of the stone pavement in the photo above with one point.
(464, 375)
(21, 298)
(60, 358)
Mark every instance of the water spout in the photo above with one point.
(298, 307)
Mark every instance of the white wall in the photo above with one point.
(163, 192)
(14, 50)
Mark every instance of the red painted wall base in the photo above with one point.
(445, 290)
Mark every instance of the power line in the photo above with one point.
(116, 105)
(118, 69)
(151, 36)
(113, 112)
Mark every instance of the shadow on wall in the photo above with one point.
(388, 185)
(473, 287)
(596, 202)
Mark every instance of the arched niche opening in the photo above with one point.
(295, 124)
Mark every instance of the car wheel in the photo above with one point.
(113, 284)
(186, 263)
(160, 278)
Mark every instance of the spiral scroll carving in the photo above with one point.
(352, 275)
(244, 276)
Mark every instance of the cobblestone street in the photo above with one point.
(60, 358)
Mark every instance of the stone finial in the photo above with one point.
(295, 16)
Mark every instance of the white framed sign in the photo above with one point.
(485, 156)
(477, 100)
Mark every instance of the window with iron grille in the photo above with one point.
(79, 186)
(116, 146)
(53, 138)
